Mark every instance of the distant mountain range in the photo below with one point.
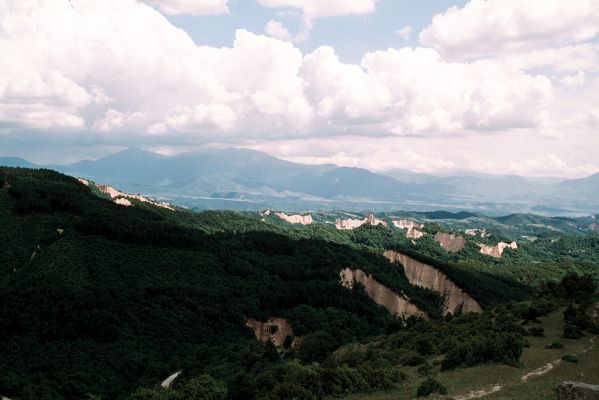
(250, 180)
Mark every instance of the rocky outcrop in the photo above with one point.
(594, 227)
(275, 329)
(497, 250)
(295, 218)
(576, 391)
(414, 233)
(169, 381)
(123, 198)
(450, 241)
(424, 275)
(123, 201)
(355, 223)
(476, 232)
(407, 224)
(398, 305)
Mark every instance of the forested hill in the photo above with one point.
(99, 300)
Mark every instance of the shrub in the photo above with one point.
(425, 369)
(413, 360)
(430, 386)
(536, 331)
(570, 358)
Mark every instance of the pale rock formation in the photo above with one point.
(122, 201)
(84, 181)
(476, 232)
(576, 391)
(275, 330)
(594, 227)
(497, 250)
(355, 223)
(398, 305)
(450, 241)
(295, 218)
(407, 224)
(265, 213)
(60, 231)
(424, 275)
(117, 195)
(168, 381)
(414, 233)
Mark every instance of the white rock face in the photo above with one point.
(414, 233)
(168, 381)
(424, 275)
(398, 305)
(295, 218)
(407, 224)
(476, 232)
(355, 223)
(122, 201)
(497, 250)
(122, 197)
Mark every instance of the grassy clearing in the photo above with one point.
(464, 381)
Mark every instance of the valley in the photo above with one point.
(113, 298)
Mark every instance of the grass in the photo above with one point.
(464, 380)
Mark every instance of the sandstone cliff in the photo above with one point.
(476, 232)
(414, 233)
(424, 275)
(497, 250)
(407, 224)
(355, 223)
(450, 242)
(123, 198)
(275, 330)
(396, 304)
(295, 218)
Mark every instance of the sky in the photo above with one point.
(434, 86)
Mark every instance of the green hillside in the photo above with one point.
(98, 300)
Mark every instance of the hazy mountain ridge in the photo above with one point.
(252, 180)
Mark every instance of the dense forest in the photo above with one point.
(102, 301)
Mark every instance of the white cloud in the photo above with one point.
(277, 30)
(490, 27)
(190, 7)
(93, 68)
(114, 120)
(574, 81)
(404, 32)
(202, 116)
(343, 92)
(433, 95)
(314, 9)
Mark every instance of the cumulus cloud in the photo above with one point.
(314, 9)
(190, 7)
(404, 32)
(431, 94)
(93, 68)
(114, 120)
(490, 27)
(343, 92)
(277, 30)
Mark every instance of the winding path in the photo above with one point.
(475, 394)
